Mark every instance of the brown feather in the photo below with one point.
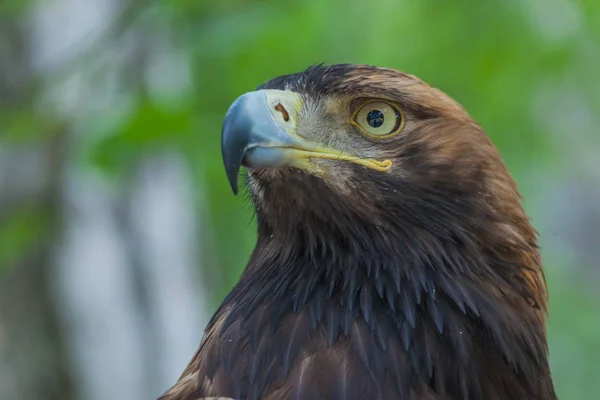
(423, 283)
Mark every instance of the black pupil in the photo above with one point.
(375, 118)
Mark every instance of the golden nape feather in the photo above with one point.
(393, 260)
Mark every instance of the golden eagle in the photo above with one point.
(393, 261)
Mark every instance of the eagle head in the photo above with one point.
(363, 152)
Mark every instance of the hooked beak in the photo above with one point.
(259, 132)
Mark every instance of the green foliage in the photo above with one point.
(148, 126)
(24, 125)
(20, 233)
(12, 8)
(573, 329)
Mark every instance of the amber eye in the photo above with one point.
(379, 119)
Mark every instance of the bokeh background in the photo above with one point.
(119, 235)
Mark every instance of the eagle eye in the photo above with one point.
(380, 119)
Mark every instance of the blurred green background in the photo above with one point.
(119, 235)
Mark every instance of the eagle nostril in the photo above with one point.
(279, 107)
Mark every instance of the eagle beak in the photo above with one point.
(259, 132)
(254, 131)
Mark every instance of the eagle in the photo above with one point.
(393, 260)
